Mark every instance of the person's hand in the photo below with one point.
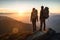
(37, 20)
(30, 20)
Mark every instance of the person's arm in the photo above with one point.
(31, 17)
(40, 15)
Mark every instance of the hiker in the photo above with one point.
(34, 18)
(44, 14)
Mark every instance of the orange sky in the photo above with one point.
(22, 7)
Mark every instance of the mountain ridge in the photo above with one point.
(7, 24)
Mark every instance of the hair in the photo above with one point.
(42, 7)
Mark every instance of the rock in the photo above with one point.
(42, 35)
(35, 35)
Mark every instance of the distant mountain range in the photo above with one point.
(7, 24)
(54, 22)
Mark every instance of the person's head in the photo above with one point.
(33, 9)
(42, 7)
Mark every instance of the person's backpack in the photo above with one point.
(46, 12)
(33, 15)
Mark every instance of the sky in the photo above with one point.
(21, 6)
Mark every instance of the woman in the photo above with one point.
(34, 18)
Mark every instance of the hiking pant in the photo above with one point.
(42, 23)
(34, 25)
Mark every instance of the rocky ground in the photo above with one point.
(49, 35)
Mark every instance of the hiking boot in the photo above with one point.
(40, 29)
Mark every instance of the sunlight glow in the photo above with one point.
(15, 30)
(23, 9)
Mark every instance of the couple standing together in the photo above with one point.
(44, 14)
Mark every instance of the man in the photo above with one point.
(42, 19)
(34, 18)
(44, 14)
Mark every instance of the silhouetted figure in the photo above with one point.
(34, 18)
(44, 14)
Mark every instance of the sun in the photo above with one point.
(21, 10)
